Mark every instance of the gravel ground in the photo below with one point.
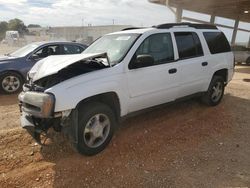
(181, 145)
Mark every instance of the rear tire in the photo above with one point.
(96, 125)
(215, 92)
(10, 83)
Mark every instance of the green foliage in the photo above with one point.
(33, 26)
(3, 29)
(3, 26)
(17, 25)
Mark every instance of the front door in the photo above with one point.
(153, 82)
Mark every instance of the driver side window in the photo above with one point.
(47, 51)
(154, 50)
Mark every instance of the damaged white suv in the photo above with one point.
(86, 95)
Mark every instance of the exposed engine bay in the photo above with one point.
(73, 70)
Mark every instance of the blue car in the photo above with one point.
(15, 66)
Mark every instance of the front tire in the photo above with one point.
(96, 125)
(215, 92)
(10, 82)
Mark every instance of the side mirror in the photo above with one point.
(34, 57)
(144, 60)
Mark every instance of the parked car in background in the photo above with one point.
(12, 37)
(242, 54)
(14, 66)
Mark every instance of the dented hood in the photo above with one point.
(53, 64)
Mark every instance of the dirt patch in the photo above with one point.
(181, 145)
(9, 112)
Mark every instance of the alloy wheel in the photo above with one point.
(96, 130)
(11, 84)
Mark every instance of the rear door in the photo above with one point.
(192, 64)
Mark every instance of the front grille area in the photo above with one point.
(33, 87)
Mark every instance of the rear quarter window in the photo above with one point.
(217, 42)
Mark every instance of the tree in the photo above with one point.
(33, 26)
(3, 29)
(3, 26)
(17, 25)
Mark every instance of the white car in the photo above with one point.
(242, 54)
(86, 95)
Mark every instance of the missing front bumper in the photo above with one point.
(27, 123)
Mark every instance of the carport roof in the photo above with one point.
(233, 9)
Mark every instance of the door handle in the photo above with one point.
(204, 64)
(172, 71)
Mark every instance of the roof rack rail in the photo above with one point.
(131, 28)
(194, 25)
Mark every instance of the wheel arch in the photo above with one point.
(223, 73)
(14, 71)
(109, 98)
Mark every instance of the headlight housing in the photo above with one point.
(37, 104)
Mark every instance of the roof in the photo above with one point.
(56, 42)
(232, 9)
(184, 25)
(135, 31)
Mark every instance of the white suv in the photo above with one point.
(86, 95)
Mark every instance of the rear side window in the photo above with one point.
(188, 44)
(72, 49)
(217, 42)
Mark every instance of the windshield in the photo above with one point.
(24, 50)
(116, 46)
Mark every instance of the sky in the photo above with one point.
(78, 12)
(100, 12)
